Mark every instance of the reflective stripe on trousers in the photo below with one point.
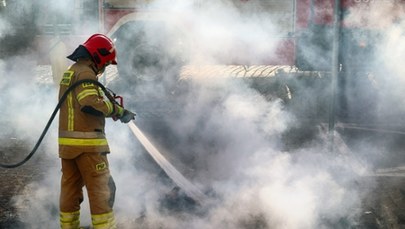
(104, 221)
(69, 220)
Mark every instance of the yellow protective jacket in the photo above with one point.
(82, 114)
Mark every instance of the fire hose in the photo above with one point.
(55, 111)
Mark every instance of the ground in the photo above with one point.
(13, 181)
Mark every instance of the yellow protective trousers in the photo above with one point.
(92, 171)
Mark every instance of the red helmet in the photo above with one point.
(101, 49)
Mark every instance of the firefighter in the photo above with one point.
(83, 147)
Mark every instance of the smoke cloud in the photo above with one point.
(222, 134)
(384, 82)
(5, 28)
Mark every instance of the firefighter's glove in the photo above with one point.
(127, 116)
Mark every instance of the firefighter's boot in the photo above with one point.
(69, 220)
(103, 221)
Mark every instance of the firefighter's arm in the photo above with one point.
(91, 101)
(96, 105)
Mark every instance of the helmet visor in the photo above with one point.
(104, 52)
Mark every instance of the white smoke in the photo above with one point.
(391, 82)
(219, 30)
(5, 28)
(385, 79)
(228, 133)
(380, 14)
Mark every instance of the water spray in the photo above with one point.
(190, 189)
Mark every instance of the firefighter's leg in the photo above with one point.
(71, 195)
(100, 188)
